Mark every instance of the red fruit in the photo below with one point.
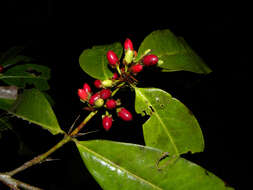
(115, 76)
(150, 60)
(112, 58)
(1, 68)
(105, 93)
(98, 83)
(94, 98)
(87, 88)
(136, 68)
(124, 114)
(107, 122)
(111, 104)
(83, 95)
(128, 45)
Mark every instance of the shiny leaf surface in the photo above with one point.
(94, 62)
(33, 106)
(125, 166)
(171, 127)
(175, 53)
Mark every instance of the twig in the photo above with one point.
(15, 184)
(43, 156)
(79, 128)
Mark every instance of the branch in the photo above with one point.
(43, 156)
(15, 184)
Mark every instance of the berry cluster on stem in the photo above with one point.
(125, 72)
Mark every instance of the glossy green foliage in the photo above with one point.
(12, 56)
(33, 106)
(175, 53)
(171, 127)
(94, 62)
(128, 166)
(27, 74)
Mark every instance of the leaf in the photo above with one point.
(175, 53)
(33, 106)
(21, 75)
(94, 62)
(5, 103)
(171, 127)
(125, 166)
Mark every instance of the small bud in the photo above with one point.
(107, 83)
(98, 83)
(135, 53)
(112, 58)
(136, 68)
(99, 102)
(107, 122)
(94, 98)
(82, 94)
(129, 55)
(105, 93)
(124, 114)
(150, 60)
(111, 104)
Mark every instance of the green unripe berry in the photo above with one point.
(107, 83)
(99, 102)
(129, 55)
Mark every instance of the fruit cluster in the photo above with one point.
(103, 98)
(125, 73)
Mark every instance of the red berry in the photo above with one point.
(128, 45)
(1, 68)
(87, 88)
(136, 68)
(115, 76)
(83, 95)
(94, 98)
(107, 122)
(124, 114)
(150, 60)
(112, 58)
(98, 83)
(111, 104)
(105, 93)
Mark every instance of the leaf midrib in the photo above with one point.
(121, 168)
(162, 123)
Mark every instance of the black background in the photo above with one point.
(57, 33)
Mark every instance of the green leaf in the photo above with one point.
(171, 127)
(21, 75)
(94, 62)
(175, 53)
(5, 103)
(33, 106)
(125, 166)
